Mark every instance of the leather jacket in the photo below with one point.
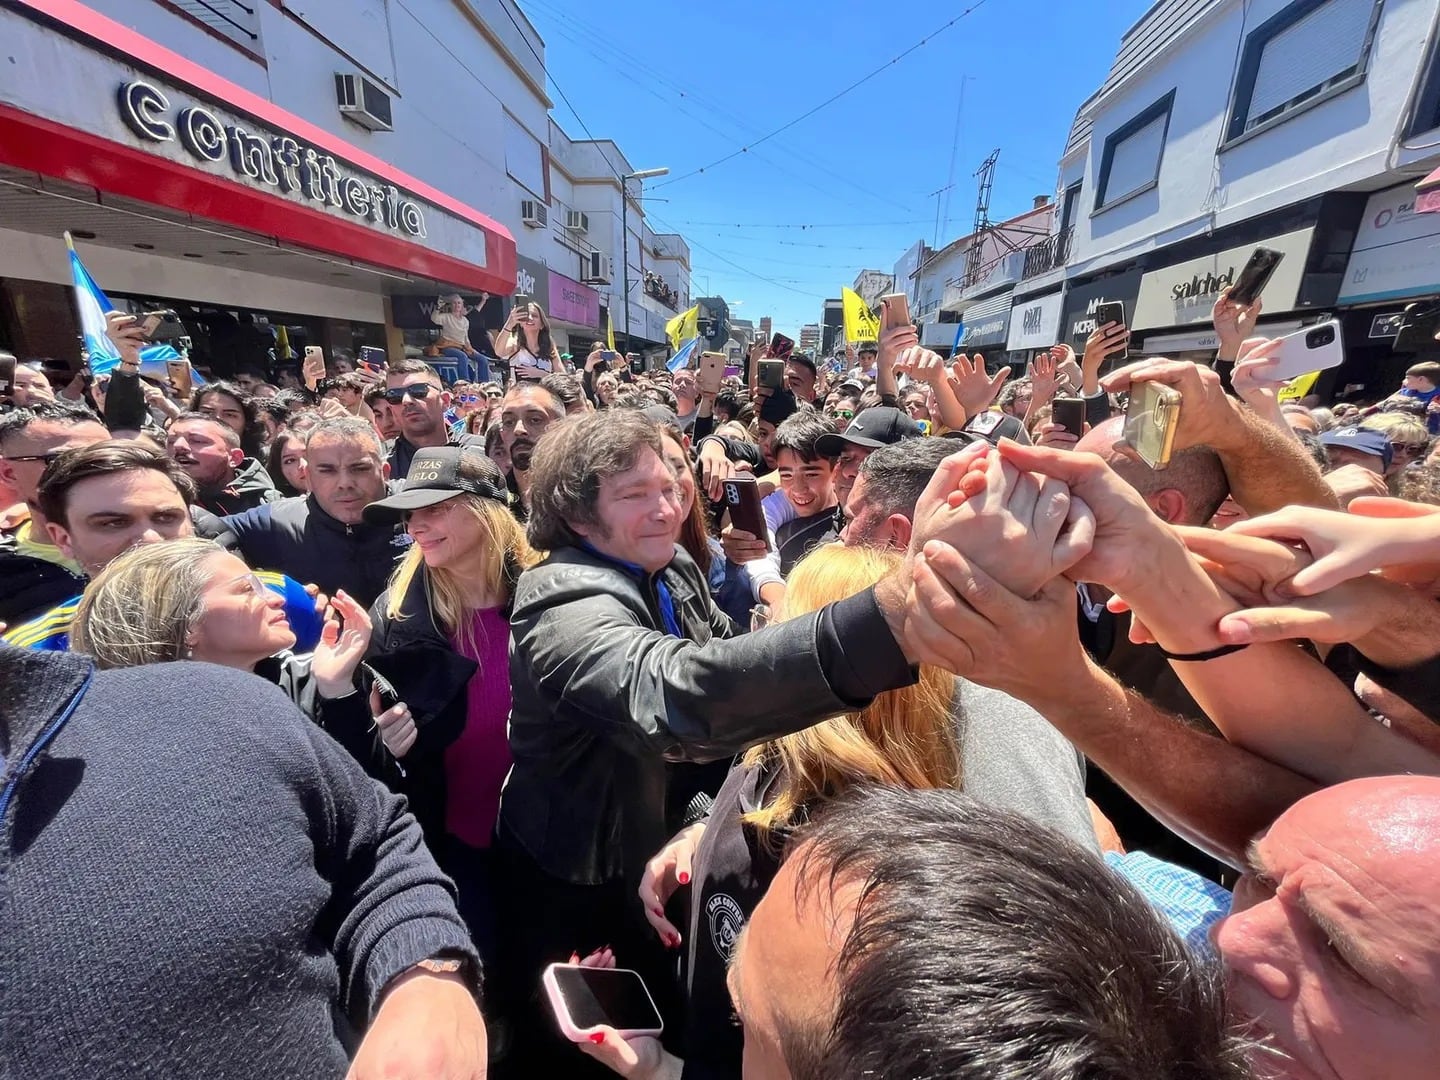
(604, 697)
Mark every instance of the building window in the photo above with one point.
(1427, 106)
(234, 20)
(1131, 160)
(1068, 205)
(1308, 52)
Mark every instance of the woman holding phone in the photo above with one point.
(526, 344)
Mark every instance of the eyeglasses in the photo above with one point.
(418, 391)
(494, 395)
(842, 414)
(47, 458)
(257, 586)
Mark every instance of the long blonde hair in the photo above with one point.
(506, 553)
(142, 606)
(904, 738)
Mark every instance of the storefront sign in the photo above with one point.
(1186, 292)
(1202, 340)
(1387, 325)
(987, 323)
(572, 302)
(1035, 322)
(1396, 253)
(1081, 301)
(532, 279)
(259, 158)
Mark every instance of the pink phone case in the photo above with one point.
(567, 1025)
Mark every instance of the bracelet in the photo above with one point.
(1201, 657)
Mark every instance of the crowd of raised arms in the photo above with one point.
(889, 716)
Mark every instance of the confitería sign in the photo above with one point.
(266, 159)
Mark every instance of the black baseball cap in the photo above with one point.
(872, 429)
(440, 473)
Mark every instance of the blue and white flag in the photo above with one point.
(682, 358)
(959, 336)
(100, 351)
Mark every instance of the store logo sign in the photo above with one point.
(1208, 285)
(1031, 319)
(276, 161)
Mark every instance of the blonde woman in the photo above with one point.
(442, 632)
(905, 738)
(190, 599)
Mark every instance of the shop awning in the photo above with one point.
(177, 136)
(1427, 194)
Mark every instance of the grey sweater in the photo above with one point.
(194, 879)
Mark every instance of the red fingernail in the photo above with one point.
(659, 912)
(597, 1038)
(574, 958)
(684, 878)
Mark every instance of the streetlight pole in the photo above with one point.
(625, 178)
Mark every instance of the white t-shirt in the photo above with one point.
(452, 327)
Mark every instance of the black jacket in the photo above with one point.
(250, 487)
(297, 537)
(414, 645)
(604, 697)
(177, 838)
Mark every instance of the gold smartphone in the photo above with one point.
(895, 310)
(1150, 422)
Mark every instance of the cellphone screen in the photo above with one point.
(617, 998)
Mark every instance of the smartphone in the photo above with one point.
(1312, 348)
(520, 302)
(771, 373)
(179, 372)
(1106, 312)
(584, 999)
(712, 371)
(781, 346)
(7, 377)
(609, 356)
(637, 365)
(1150, 422)
(1069, 413)
(742, 499)
(373, 357)
(896, 309)
(1255, 276)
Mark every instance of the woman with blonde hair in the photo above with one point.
(904, 737)
(189, 599)
(441, 645)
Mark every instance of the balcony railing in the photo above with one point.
(658, 289)
(1048, 255)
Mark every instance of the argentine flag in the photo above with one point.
(682, 358)
(100, 351)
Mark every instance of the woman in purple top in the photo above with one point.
(442, 629)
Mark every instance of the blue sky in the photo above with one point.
(682, 85)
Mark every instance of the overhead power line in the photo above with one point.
(827, 102)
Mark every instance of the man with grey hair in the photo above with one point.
(323, 537)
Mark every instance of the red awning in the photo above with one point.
(1427, 197)
(34, 143)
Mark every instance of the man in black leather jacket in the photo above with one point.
(322, 537)
(620, 663)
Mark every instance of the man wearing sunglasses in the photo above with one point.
(418, 400)
(35, 574)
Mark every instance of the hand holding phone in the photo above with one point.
(742, 499)
(1069, 413)
(1254, 276)
(313, 366)
(711, 372)
(1151, 421)
(585, 999)
(1113, 311)
(180, 377)
(895, 310)
(781, 346)
(771, 374)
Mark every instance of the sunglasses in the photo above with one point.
(842, 414)
(418, 391)
(47, 458)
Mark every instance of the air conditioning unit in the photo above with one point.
(599, 269)
(364, 101)
(534, 214)
(577, 222)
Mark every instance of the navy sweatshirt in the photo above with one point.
(194, 879)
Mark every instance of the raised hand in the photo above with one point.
(1233, 323)
(975, 390)
(668, 870)
(340, 651)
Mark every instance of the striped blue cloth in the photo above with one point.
(1190, 903)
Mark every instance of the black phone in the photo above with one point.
(609, 356)
(1069, 413)
(1255, 275)
(7, 377)
(1112, 311)
(781, 346)
(637, 365)
(373, 357)
(742, 499)
(771, 374)
(520, 301)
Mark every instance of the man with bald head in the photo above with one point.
(1331, 946)
(1187, 492)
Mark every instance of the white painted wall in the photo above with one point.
(1341, 142)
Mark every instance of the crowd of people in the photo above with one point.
(331, 715)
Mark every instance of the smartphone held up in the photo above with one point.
(585, 999)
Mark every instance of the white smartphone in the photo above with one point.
(1313, 348)
(585, 999)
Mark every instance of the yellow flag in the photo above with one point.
(683, 327)
(1297, 387)
(860, 325)
(609, 330)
